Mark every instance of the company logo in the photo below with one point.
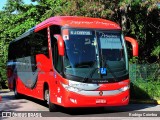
(100, 93)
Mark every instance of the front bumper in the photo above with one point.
(76, 100)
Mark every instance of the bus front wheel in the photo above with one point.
(52, 107)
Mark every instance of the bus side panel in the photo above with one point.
(44, 66)
(57, 92)
(11, 75)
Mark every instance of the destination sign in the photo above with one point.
(80, 32)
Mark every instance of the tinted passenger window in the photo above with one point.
(57, 60)
(35, 43)
(39, 43)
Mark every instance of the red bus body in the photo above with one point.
(102, 94)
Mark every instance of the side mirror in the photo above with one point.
(134, 44)
(60, 43)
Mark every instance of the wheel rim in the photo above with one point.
(47, 97)
(15, 91)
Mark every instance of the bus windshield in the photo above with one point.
(95, 54)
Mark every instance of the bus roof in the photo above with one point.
(78, 22)
(73, 22)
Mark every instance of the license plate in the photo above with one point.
(101, 101)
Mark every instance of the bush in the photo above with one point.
(145, 90)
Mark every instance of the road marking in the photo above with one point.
(1, 106)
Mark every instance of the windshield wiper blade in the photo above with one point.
(114, 76)
(109, 69)
(91, 73)
(86, 79)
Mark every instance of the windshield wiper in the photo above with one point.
(85, 79)
(114, 76)
(91, 73)
(104, 64)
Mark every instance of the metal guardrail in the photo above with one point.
(145, 81)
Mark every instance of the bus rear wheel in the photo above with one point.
(16, 94)
(52, 107)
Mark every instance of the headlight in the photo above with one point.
(70, 88)
(124, 88)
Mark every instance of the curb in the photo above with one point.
(4, 90)
(146, 101)
(158, 102)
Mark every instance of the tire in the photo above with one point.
(52, 107)
(16, 94)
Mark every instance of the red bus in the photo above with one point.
(71, 62)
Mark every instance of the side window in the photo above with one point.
(35, 43)
(23, 47)
(19, 49)
(57, 59)
(16, 50)
(39, 43)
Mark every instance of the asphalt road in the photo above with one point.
(27, 104)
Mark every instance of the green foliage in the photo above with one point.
(133, 60)
(156, 52)
(145, 90)
(144, 22)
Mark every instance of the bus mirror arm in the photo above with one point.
(134, 44)
(60, 42)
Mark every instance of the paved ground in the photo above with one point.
(9, 103)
